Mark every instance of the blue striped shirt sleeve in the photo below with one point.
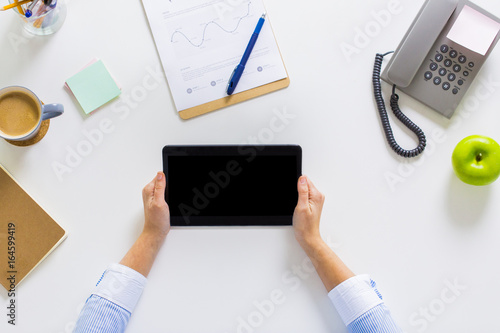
(101, 316)
(360, 305)
(110, 306)
(377, 319)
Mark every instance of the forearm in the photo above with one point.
(142, 254)
(356, 298)
(330, 268)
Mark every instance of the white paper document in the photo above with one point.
(200, 42)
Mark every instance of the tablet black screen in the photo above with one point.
(232, 189)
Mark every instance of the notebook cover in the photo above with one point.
(35, 234)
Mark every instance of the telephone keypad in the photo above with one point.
(452, 63)
(446, 76)
(447, 56)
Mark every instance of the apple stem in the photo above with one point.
(479, 157)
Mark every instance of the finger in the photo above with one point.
(303, 189)
(159, 188)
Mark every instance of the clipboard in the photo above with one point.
(157, 22)
(234, 99)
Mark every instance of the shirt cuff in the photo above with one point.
(121, 285)
(354, 297)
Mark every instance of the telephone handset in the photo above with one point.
(437, 60)
(419, 39)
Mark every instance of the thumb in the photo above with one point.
(303, 189)
(160, 185)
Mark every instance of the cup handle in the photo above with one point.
(51, 111)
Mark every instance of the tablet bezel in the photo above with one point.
(230, 150)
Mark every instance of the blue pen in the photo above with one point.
(238, 71)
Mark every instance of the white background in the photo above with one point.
(412, 235)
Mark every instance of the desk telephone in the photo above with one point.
(436, 62)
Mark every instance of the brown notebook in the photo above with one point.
(27, 233)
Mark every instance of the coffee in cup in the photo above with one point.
(21, 113)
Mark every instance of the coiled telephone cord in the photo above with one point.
(377, 90)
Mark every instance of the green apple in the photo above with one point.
(476, 160)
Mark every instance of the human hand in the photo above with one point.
(142, 254)
(307, 214)
(156, 211)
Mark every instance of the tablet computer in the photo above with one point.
(244, 185)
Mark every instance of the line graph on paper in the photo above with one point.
(207, 25)
(209, 28)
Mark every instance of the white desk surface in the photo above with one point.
(414, 237)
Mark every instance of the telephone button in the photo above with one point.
(446, 86)
(462, 59)
(453, 53)
(439, 57)
(442, 71)
(451, 77)
(444, 48)
(460, 82)
(471, 64)
(455, 91)
(433, 66)
(448, 62)
(428, 75)
(457, 68)
(466, 73)
(437, 80)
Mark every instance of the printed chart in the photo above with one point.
(210, 27)
(200, 42)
